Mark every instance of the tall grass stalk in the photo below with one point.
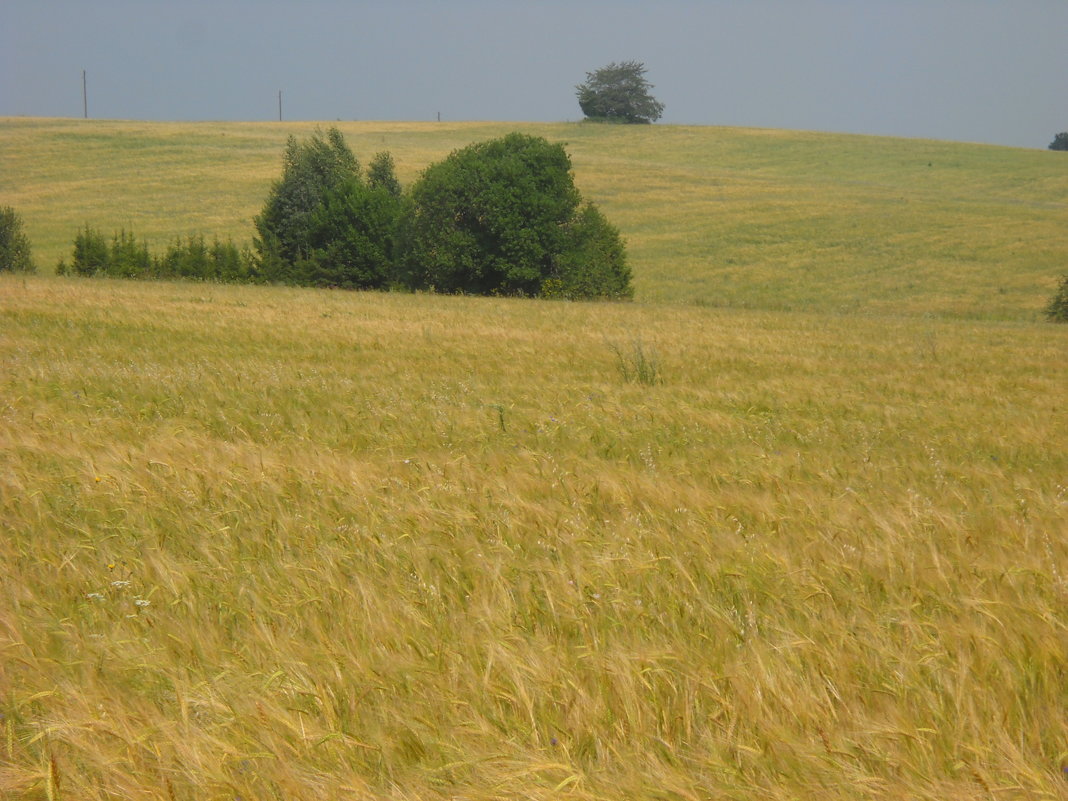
(637, 363)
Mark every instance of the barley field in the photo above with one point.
(267, 543)
(787, 527)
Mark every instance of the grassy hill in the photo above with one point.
(716, 216)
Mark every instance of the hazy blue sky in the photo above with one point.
(974, 70)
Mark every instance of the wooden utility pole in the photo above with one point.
(85, 99)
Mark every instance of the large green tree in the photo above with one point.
(619, 93)
(311, 170)
(1060, 141)
(503, 217)
(323, 224)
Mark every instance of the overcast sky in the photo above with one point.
(992, 71)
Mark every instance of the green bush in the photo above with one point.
(189, 259)
(195, 259)
(14, 245)
(90, 255)
(125, 257)
(1057, 310)
(490, 218)
(502, 217)
(350, 238)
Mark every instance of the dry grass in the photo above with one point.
(413, 547)
(715, 216)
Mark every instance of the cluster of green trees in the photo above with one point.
(324, 222)
(124, 257)
(497, 217)
(501, 217)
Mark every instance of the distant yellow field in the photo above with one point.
(714, 216)
(268, 543)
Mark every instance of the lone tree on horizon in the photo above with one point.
(619, 93)
(1060, 141)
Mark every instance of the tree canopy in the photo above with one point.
(310, 171)
(1060, 141)
(503, 217)
(619, 93)
(496, 217)
(322, 224)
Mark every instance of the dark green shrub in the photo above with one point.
(90, 255)
(231, 264)
(490, 218)
(195, 260)
(322, 225)
(1057, 310)
(124, 257)
(127, 258)
(15, 253)
(189, 259)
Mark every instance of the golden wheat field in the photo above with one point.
(276, 543)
